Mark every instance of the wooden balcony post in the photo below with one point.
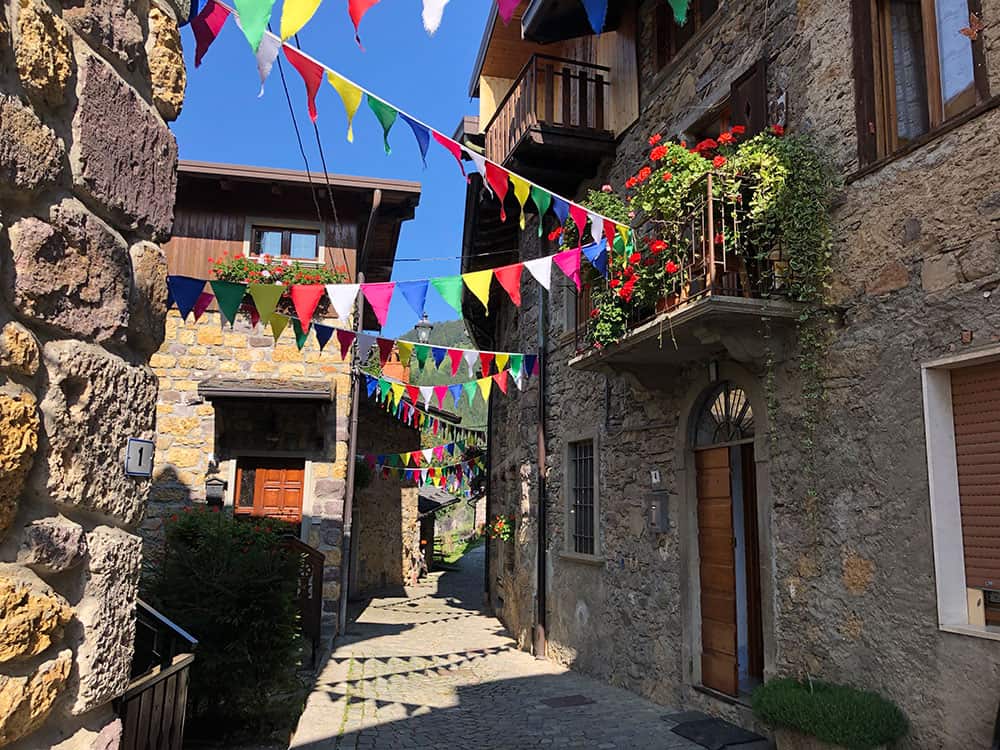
(710, 259)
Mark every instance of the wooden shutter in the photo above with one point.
(748, 99)
(716, 548)
(864, 79)
(975, 395)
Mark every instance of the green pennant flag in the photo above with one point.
(420, 351)
(680, 10)
(515, 365)
(384, 387)
(471, 389)
(229, 295)
(265, 298)
(254, 15)
(542, 201)
(300, 336)
(278, 323)
(450, 289)
(386, 115)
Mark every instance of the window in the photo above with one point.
(298, 244)
(962, 426)
(918, 64)
(726, 417)
(582, 507)
(671, 37)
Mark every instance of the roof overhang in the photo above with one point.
(283, 390)
(547, 21)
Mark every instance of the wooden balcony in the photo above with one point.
(553, 124)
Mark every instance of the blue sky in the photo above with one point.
(224, 121)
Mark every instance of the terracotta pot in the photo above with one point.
(789, 739)
(665, 304)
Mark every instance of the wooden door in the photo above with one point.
(719, 666)
(271, 488)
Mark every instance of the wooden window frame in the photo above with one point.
(667, 49)
(287, 227)
(875, 100)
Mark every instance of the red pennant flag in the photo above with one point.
(579, 216)
(413, 392)
(498, 179)
(434, 425)
(311, 73)
(456, 359)
(384, 350)
(357, 9)
(510, 279)
(501, 380)
(305, 298)
(486, 359)
(206, 26)
(345, 339)
(609, 233)
(453, 148)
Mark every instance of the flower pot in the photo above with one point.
(666, 303)
(789, 739)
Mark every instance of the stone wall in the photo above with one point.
(87, 175)
(192, 447)
(851, 591)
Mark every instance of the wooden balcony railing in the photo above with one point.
(550, 91)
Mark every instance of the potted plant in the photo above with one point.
(814, 715)
(502, 528)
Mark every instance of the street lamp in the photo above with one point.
(424, 328)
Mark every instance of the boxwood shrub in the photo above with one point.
(845, 716)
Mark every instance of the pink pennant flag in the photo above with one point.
(201, 304)
(507, 8)
(357, 9)
(486, 358)
(439, 452)
(501, 380)
(345, 339)
(499, 181)
(453, 148)
(455, 355)
(311, 73)
(305, 298)
(579, 216)
(440, 391)
(380, 295)
(206, 27)
(569, 263)
(384, 350)
(509, 278)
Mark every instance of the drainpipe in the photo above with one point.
(352, 443)
(487, 596)
(540, 604)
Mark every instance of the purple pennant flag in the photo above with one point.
(185, 292)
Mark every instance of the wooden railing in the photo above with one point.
(310, 591)
(549, 91)
(153, 708)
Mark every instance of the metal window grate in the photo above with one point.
(581, 457)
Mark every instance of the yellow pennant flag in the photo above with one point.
(521, 191)
(278, 323)
(479, 284)
(405, 349)
(351, 96)
(295, 14)
(623, 231)
(501, 361)
(397, 392)
(485, 385)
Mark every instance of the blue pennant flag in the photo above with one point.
(597, 255)
(422, 134)
(597, 13)
(372, 385)
(323, 334)
(439, 354)
(456, 393)
(185, 291)
(560, 208)
(529, 364)
(415, 294)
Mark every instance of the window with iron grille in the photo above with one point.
(582, 508)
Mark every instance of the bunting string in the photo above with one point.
(415, 458)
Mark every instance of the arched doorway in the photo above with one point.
(732, 643)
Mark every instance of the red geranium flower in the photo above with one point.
(595, 312)
(630, 182)
(614, 283)
(654, 139)
(644, 174)
(658, 153)
(778, 130)
(719, 238)
(718, 161)
(670, 267)
(726, 138)
(709, 144)
(667, 177)
(658, 246)
(634, 257)
(737, 130)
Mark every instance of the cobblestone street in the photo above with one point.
(431, 670)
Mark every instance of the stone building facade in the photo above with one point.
(855, 580)
(87, 169)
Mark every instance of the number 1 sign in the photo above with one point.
(139, 458)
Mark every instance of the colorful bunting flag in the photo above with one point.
(560, 208)
(301, 335)
(386, 116)
(415, 294)
(255, 15)
(384, 350)
(421, 352)
(421, 133)
(438, 353)
(501, 361)
(185, 292)
(265, 297)
(597, 256)
(433, 11)
(405, 349)
(471, 389)
(204, 300)
(531, 364)
(312, 75)
(541, 269)
(509, 277)
(440, 391)
(486, 360)
(206, 27)
(365, 343)
(357, 9)
(456, 393)
(515, 365)
(485, 386)
(379, 296)
(278, 323)
(542, 201)
(323, 334)
(456, 359)
(480, 161)
(579, 216)
(345, 339)
(569, 263)
(478, 283)
(471, 358)
(350, 95)
(507, 8)
(295, 14)
(266, 54)
(597, 13)
(453, 148)
(596, 227)
(305, 298)
(501, 380)
(680, 10)
(343, 297)
(522, 191)
(497, 178)
(450, 289)
(230, 296)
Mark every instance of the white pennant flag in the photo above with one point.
(433, 10)
(480, 161)
(428, 454)
(267, 53)
(343, 297)
(426, 391)
(541, 269)
(596, 227)
(471, 358)
(520, 380)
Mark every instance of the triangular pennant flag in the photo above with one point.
(597, 256)
(596, 227)
(422, 134)
(439, 452)
(531, 364)
(386, 115)
(323, 334)
(206, 27)
(471, 358)
(428, 454)
(433, 10)
(295, 14)
(609, 230)
(479, 284)
(365, 343)
(357, 9)
(515, 365)
(265, 297)
(204, 300)
(597, 13)
(230, 296)
(405, 349)
(471, 388)
(185, 292)
(415, 294)
(278, 323)
(501, 380)
(384, 350)
(343, 297)
(542, 200)
(497, 178)
(569, 263)
(452, 147)
(421, 351)
(480, 161)
(579, 215)
(413, 393)
(305, 298)
(522, 190)
(398, 389)
(345, 339)
(301, 334)
(507, 8)
(456, 393)
(501, 361)
(384, 388)
(266, 54)
(509, 277)
(680, 10)
(426, 392)
(438, 353)
(560, 208)
(312, 75)
(371, 383)
(485, 386)
(541, 269)
(455, 355)
(255, 15)
(379, 296)
(254, 315)
(486, 360)
(450, 289)
(350, 95)
(440, 391)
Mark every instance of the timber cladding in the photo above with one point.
(975, 393)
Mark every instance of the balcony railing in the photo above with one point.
(554, 92)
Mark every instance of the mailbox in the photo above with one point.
(215, 491)
(659, 513)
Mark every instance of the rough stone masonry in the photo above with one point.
(87, 183)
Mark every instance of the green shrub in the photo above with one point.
(852, 718)
(231, 583)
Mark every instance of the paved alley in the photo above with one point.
(431, 670)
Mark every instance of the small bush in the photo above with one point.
(231, 583)
(845, 716)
